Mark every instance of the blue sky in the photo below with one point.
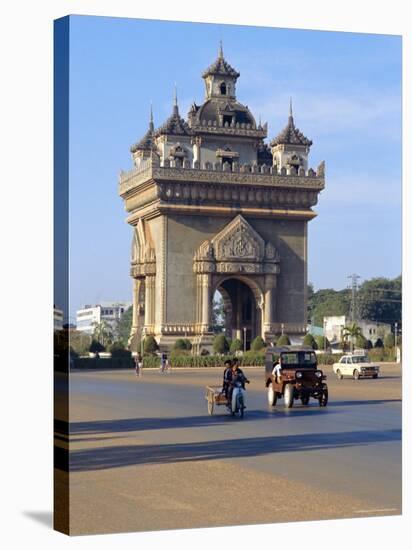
(346, 91)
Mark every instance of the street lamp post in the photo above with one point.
(244, 339)
(396, 341)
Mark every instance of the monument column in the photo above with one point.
(270, 297)
(149, 303)
(136, 292)
(206, 284)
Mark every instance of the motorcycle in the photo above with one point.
(238, 403)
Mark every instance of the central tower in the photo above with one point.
(214, 207)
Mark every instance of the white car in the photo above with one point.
(355, 366)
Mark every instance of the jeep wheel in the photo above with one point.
(339, 374)
(356, 374)
(272, 396)
(305, 399)
(323, 399)
(288, 396)
(375, 376)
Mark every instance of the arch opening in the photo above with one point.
(241, 319)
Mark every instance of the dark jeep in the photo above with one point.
(299, 377)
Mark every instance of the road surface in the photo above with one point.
(144, 454)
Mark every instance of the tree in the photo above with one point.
(103, 333)
(351, 332)
(322, 343)
(389, 340)
(218, 313)
(236, 345)
(283, 340)
(309, 341)
(150, 345)
(325, 302)
(220, 344)
(257, 344)
(361, 342)
(124, 326)
(380, 299)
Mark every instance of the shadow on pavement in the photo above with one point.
(120, 456)
(354, 402)
(142, 424)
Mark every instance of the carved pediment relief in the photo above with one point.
(238, 241)
(238, 248)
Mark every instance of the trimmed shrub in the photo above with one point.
(283, 340)
(309, 341)
(257, 344)
(182, 344)
(96, 347)
(389, 340)
(118, 350)
(236, 345)
(220, 344)
(150, 345)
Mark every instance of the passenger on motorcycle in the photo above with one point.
(227, 376)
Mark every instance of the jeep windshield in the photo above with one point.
(298, 359)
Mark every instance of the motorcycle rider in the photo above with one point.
(237, 375)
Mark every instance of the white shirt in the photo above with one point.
(277, 369)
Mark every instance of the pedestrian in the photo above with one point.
(139, 364)
(163, 359)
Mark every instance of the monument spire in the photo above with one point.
(290, 108)
(175, 105)
(220, 49)
(151, 124)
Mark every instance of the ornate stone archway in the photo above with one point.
(237, 252)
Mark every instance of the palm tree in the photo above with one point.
(103, 333)
(352, 332)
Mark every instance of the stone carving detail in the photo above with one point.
(238, 241)
(238, 248)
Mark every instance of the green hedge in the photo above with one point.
(103, 363)
(249, 359)
(151, 361)
(328, 358)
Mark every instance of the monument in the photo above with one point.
(214, 207)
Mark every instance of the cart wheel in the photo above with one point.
(210, 407)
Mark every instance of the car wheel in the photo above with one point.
(288, 396)
(375, 376)
(305, 399)
(356, 374)
(272, 396)
(339, 374)
(323, 399)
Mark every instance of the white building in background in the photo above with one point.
(371, 330)
(57, 318)
(110, 312)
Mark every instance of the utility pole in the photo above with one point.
(396, 342)
(354, 289)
